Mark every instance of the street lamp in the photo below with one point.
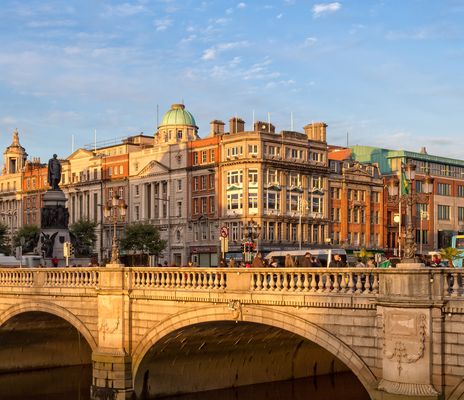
(407, 192)
(253, 232)
(116, 209)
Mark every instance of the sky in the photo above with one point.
(387, 73)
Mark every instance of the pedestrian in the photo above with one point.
(55, 262)
(258, 261)
(307, 261)
(273, 263)
(371, 263)
(360, 264)
(337, 262)
(232, 263)
(289, 263)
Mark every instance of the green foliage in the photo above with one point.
(142, 238)
(364, 255)
(4, 245)
(85, 236)
(30, 233)
(451, 254)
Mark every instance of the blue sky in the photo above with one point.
(388, 72)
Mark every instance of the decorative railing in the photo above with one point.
(79, 277)
(179, 278)
(445, 283)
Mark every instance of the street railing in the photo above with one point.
(314, 281)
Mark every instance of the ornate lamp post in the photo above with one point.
(116, 209)
(409, 195)
(253, 229)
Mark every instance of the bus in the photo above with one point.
(324, 255)
(457, 242)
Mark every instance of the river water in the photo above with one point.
(73, 383)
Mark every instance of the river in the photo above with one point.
(73, 383)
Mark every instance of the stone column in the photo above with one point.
(112, 364)
(408, 303)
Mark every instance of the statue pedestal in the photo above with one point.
(54, 222)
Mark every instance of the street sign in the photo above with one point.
(224, 231)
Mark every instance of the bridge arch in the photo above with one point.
(259, 315)
(53, 309)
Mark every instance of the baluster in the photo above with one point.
(375, 283)
(306, 282)
(455, 285)
(313, 282)
(260, 281)
(178, 280)
(299, 283)
(284, 285)
(350, 282)
(163, 275)
(322, 283)
(209, 281)
(336, 283)
(252, 282)
(189, 280)
(272, 283)
(359, 283)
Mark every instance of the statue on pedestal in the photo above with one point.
(54, 172)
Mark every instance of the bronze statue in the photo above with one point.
(54, 172)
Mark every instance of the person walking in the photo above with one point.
(258, 261)
(289, 263)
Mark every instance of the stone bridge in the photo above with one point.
(150, 331)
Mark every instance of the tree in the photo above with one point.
(451, 254)
(84, 236)
(4, 245)
(142, 239)
(31, 234)
(364, 255)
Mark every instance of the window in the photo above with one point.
(273, 201)
(460, 191)
(195, 183)
(335, 193)
(293, 201)
(234, 177)
(335, 214)
(211, 204)
(253, 200)
(234, 201)
(121, 192)
(179, 134)
(110, 172)
(444, 189)
(253, 177)
(121, 170)
(211, 181)
(179, 185)
(204, 158)
(316, 204)
(203, 205)
(137, 212)
(195, 158)
(376, 197)
(137, 190)
(179, 209)
(444, 213)
(253, 149)
(424, 236)
(271, 231)
(195, 206)
(461, 214)
(203, 182)
(294, 180)
(211, 155)
(95, 174)
(419, 187)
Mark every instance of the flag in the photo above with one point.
(404, 184)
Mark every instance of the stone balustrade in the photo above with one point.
(355, 281)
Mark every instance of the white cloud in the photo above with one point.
(63, 23)
(124, 10)
(229, 11)
(310, 41)
(212, 52)
(325, 8)
(241, 5)
(279, 16)
(7, 120)
(162, 24)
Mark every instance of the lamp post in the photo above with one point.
(253, 232)
(303, 203)
(407, 193)
(117, 209)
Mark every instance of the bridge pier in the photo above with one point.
(408, 304)
(112, 364)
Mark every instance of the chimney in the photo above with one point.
(261, 126)
(216, 127)
(423, 150)
(236, 125)
(316, 131)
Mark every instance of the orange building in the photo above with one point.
(356, 202)
(34, 184)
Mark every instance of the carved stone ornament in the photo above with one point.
(399, 350)
(109, 327)
(235, 308)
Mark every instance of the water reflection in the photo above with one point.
(337, 386)
(73, 383)
(70, 383)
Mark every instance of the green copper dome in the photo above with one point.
(178, 115)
